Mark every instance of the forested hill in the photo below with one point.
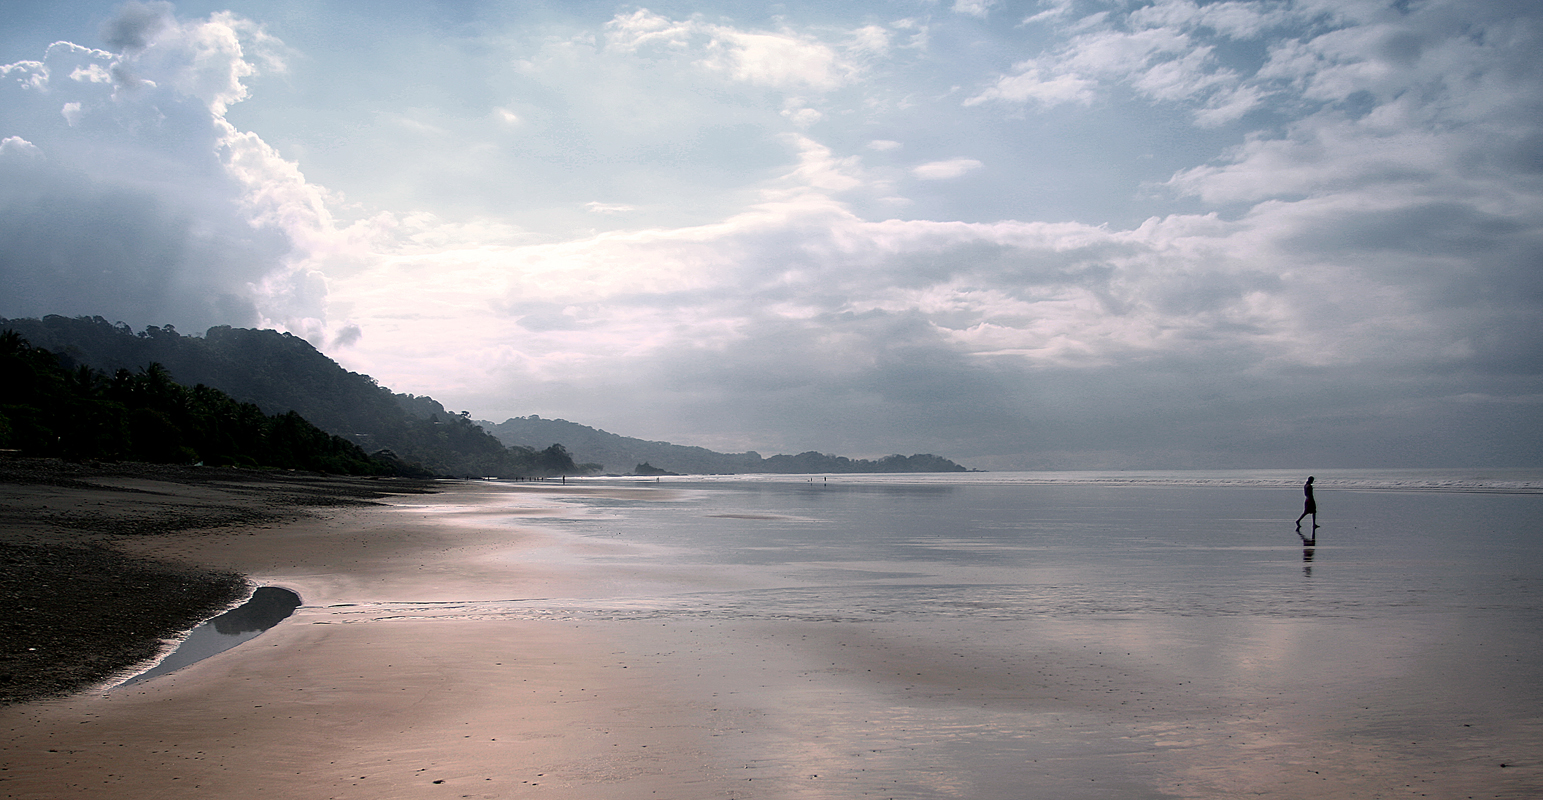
(279, 373)
(622, 454)
(50, 411)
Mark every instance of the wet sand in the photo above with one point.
(77, 608)
(407, 675)
(325, 705)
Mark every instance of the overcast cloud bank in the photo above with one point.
(1059, 235)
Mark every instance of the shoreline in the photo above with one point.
(356, 695)
(82, 607)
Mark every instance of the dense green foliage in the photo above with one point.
(618, 453)
(280, 372)
(47, 409)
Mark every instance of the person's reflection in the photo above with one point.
(1308, 543)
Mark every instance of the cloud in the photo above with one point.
(18, 148)
(872, 39)
(1054, 10)
(818, 169)
(136, 25)
(1161, 51)
(1232, 19)
(797, 303)
(1349, 267)
(973, 8)
(150, 206)
(781, 60)
(800, 116)
(348, 336)
(945, 170)
(91, 73)
(774, 60)
(1029, 83)
(1172, 52)
(79, 246)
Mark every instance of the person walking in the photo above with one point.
(1309, 506)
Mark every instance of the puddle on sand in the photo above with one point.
(268, 606)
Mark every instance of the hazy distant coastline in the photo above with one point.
(623, 454)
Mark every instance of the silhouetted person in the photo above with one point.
(1310, 506)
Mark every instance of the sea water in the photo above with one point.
(1157, 634)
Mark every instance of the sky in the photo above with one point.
(1069, 234)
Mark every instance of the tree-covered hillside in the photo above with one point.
(47, 409)
(622, 454)
(280, 373)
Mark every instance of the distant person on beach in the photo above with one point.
(1310, 506)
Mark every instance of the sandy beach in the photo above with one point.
(80, 608)
(463, 643)
(321, 707)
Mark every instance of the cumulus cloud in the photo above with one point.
(91, 73)
(18, 148)
(152, 207)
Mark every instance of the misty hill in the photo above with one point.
(280, 373)
(622, 454)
